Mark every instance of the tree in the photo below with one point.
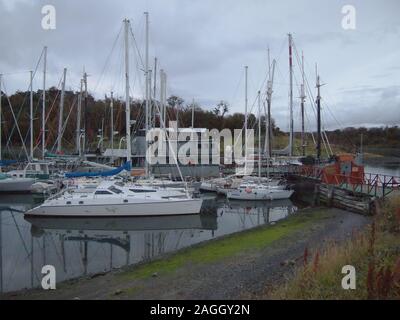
(175, 101)
(221, 109)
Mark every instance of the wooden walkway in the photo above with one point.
(371, 184)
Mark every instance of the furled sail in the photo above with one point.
(126, 166)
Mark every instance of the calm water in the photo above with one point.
(390, 170)
(77, 247)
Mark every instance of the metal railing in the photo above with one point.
(378, 185)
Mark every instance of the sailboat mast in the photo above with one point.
(78, 121)
(1, 96)
(161, 109)
(259, 134)
(269, 100)
(127, 103)
(61, 113)
(165, 98)
(31, 115)
(192, 113)
(245, 109)
(291, 96)
(112, 124)
(147, 88)
(154, 93)
(176, 106)
(44, 103)
(85, 113)
(318, 119)
(303, 97)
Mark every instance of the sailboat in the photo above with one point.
(110, 200)
(116, 200)
(15, 184)
(259, 190)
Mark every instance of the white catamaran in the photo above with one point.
(115, 199)
(111, 200)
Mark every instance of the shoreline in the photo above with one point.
(190, 273)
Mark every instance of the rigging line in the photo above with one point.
(313, 107)
(326, 137)
(66, 121)
(309, 123)
(22, 240)
(233, 99)
(327, 140)
(35, 110)
(341, 126)
(249, 112)
(281, 50)
(323, 141)
(119, 73)
(27, 92)
(138, 69)
(37, 140)
(51, 134)
(137, 79)
(55, 248)
(136, 46)
(333, 116)
(108, 59)
(312, 101)
(13, 114)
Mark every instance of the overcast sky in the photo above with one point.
(203, 46)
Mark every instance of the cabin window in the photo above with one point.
(102, 192)
(125, 200)
(142, 190)
(115, 190)
(80, 202)
(68, 202)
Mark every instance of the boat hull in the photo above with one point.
(171, 207)
(16, 185)
(208, 187)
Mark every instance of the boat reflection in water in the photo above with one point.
(86, 246)
(265, 212)
(117, 232)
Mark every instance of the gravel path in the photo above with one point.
(246, 275)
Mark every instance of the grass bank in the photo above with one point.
(228, 246)
(374, 252)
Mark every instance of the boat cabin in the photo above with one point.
(344, 169)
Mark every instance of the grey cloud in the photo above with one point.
(203, 46)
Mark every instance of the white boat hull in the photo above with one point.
(151, 208)
(225, 191)
(257, 194)
(208, 187)
(16, 185)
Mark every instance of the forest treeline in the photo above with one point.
(96, 115)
